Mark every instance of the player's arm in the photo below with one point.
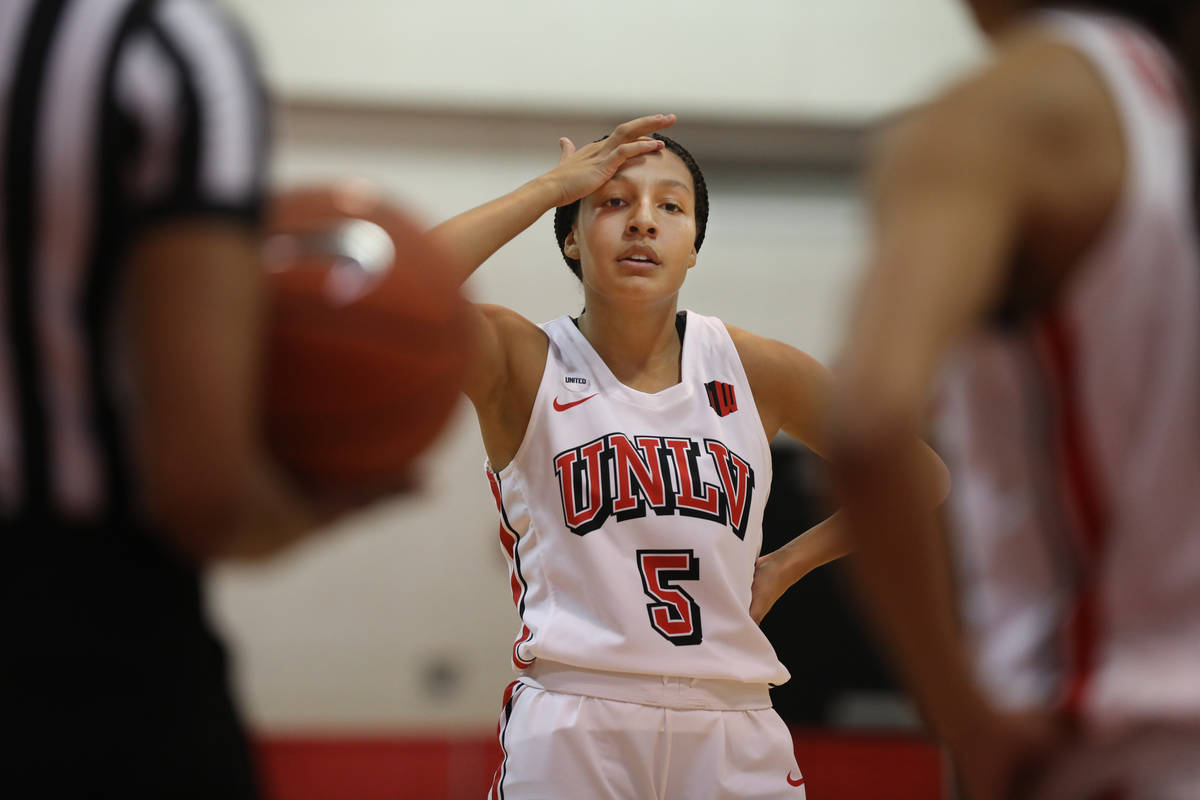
(947, 211)
(473, 236)
(193, 294)
(791, 392)
(997, 159)
(500, 376)
(794, 393)
(196, 300)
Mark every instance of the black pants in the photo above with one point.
(111, 683)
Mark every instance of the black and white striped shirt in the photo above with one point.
(114, 115)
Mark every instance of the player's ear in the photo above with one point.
(692, 259)
(571, 246)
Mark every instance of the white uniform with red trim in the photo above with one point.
(632, 522)
(1075, 444)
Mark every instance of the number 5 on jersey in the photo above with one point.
(674, 614)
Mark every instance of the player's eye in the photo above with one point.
(672, 207)
(613, 202)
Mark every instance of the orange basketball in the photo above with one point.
(367, 341)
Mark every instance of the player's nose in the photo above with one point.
(641, 219)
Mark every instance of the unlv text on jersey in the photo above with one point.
(616, 475)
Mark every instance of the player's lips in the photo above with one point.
(639, 256)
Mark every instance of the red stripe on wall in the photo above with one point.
(376, 768)
(841, 766)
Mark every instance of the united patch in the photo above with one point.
(721, 398)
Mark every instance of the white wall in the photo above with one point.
(841, 60)
(348, 631)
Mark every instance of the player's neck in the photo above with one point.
(641, 348)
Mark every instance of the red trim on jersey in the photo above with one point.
(495, 487)
(519, 662)
(1149, 64)
(501, 724)
(1088, 517)
(508, 541)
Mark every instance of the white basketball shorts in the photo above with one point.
(558, 745)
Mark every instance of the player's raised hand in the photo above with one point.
(472, 237)
(582, 171)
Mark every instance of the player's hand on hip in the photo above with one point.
(582, 171)
(771, 580)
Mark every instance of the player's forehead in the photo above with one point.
(661, 169)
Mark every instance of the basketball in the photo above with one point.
(367, 340)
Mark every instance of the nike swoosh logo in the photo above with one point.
(798, 782)
(564, 406)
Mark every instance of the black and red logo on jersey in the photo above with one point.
(622, 476)
(721, 397)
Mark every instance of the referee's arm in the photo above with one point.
(195, 294)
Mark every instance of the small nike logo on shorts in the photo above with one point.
(564, 406)
(798, 782)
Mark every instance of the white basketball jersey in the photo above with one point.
(1075, 440)
(632, 521)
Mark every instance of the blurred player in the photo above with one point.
(1035, 240)
(629, 455)
(133, 148)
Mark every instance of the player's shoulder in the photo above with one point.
(790, 386)
(1042, 79)
(507, 318)
(522, 343)
(758, 346)
(512, 327)
(768, 362)
(750, 345)
(1036, 89)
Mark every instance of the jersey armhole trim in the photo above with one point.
(1092, 39)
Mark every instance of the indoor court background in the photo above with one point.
(371, 662)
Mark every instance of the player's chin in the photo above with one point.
(661, 279)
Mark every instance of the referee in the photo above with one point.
(132, 152)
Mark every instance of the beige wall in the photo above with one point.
(846, 60)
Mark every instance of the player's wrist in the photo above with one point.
(792, 561)
(544, 192)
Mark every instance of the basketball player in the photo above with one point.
(1035, 243)
(628, 452)
(131, 166)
